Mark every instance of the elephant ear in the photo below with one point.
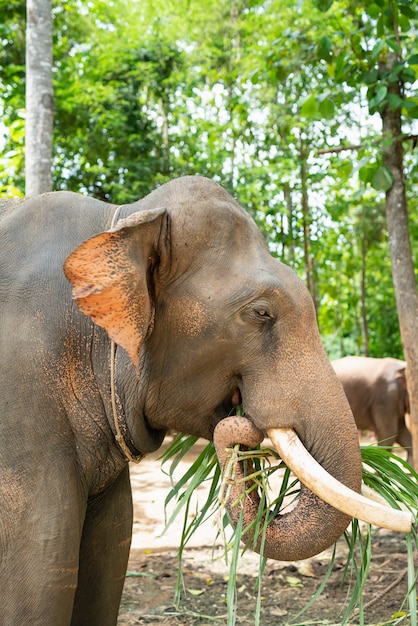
(111, 276)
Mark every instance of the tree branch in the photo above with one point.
(413, 138)
(340, 149)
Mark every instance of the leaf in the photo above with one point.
(382, 179)
(410, 107)
(406, 10)
(310, 107)
(331, 70)
(374, 11)
(345, 169)
(327, 109)
(366, 173)
(394, 101)
(277, 612)
(196, 592)
(408, 74)
(370, 77)
(393, 45)
(377, 48)
(404, 23)
(294, 581)
(326, 44)
(323, 5)
(305, 569)
(325, 47)
(413, 60)
(378, 98)
(380, 94)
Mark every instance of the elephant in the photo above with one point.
(118, 323)
(377, 393)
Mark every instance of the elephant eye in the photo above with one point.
(262, 313)
(259, 311)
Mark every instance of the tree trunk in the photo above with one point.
(39, 97)
(306, 217)
(166, 140)
(401, 253)
(364, 324)
(289, 258)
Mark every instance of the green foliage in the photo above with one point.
(12, 94)
(116, 150)
(255, 95)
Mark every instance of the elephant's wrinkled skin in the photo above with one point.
(377, 393)
(198, 308)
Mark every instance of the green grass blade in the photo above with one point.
(412, 579)
(321, 586)
(231, 593)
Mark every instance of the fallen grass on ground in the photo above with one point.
(383, 471)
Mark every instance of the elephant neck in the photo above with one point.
(122, 434)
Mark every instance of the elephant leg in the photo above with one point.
(386, 426)
(384, 439)
(104, 555)
(405, 440)
(40, 530)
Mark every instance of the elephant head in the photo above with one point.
(186, 287)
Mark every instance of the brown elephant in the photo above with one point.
(377, 393)
(116, 324)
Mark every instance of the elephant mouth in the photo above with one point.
(236, 398)
(229, 406)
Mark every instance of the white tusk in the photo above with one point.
(329, 489)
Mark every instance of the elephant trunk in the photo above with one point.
(313, 525)
(294, 535)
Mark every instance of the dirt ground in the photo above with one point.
(286, 587)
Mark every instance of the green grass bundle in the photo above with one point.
(383, 471)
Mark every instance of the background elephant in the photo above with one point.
(378, 396)
(168, 313)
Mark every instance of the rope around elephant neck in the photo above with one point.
(120, 439)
